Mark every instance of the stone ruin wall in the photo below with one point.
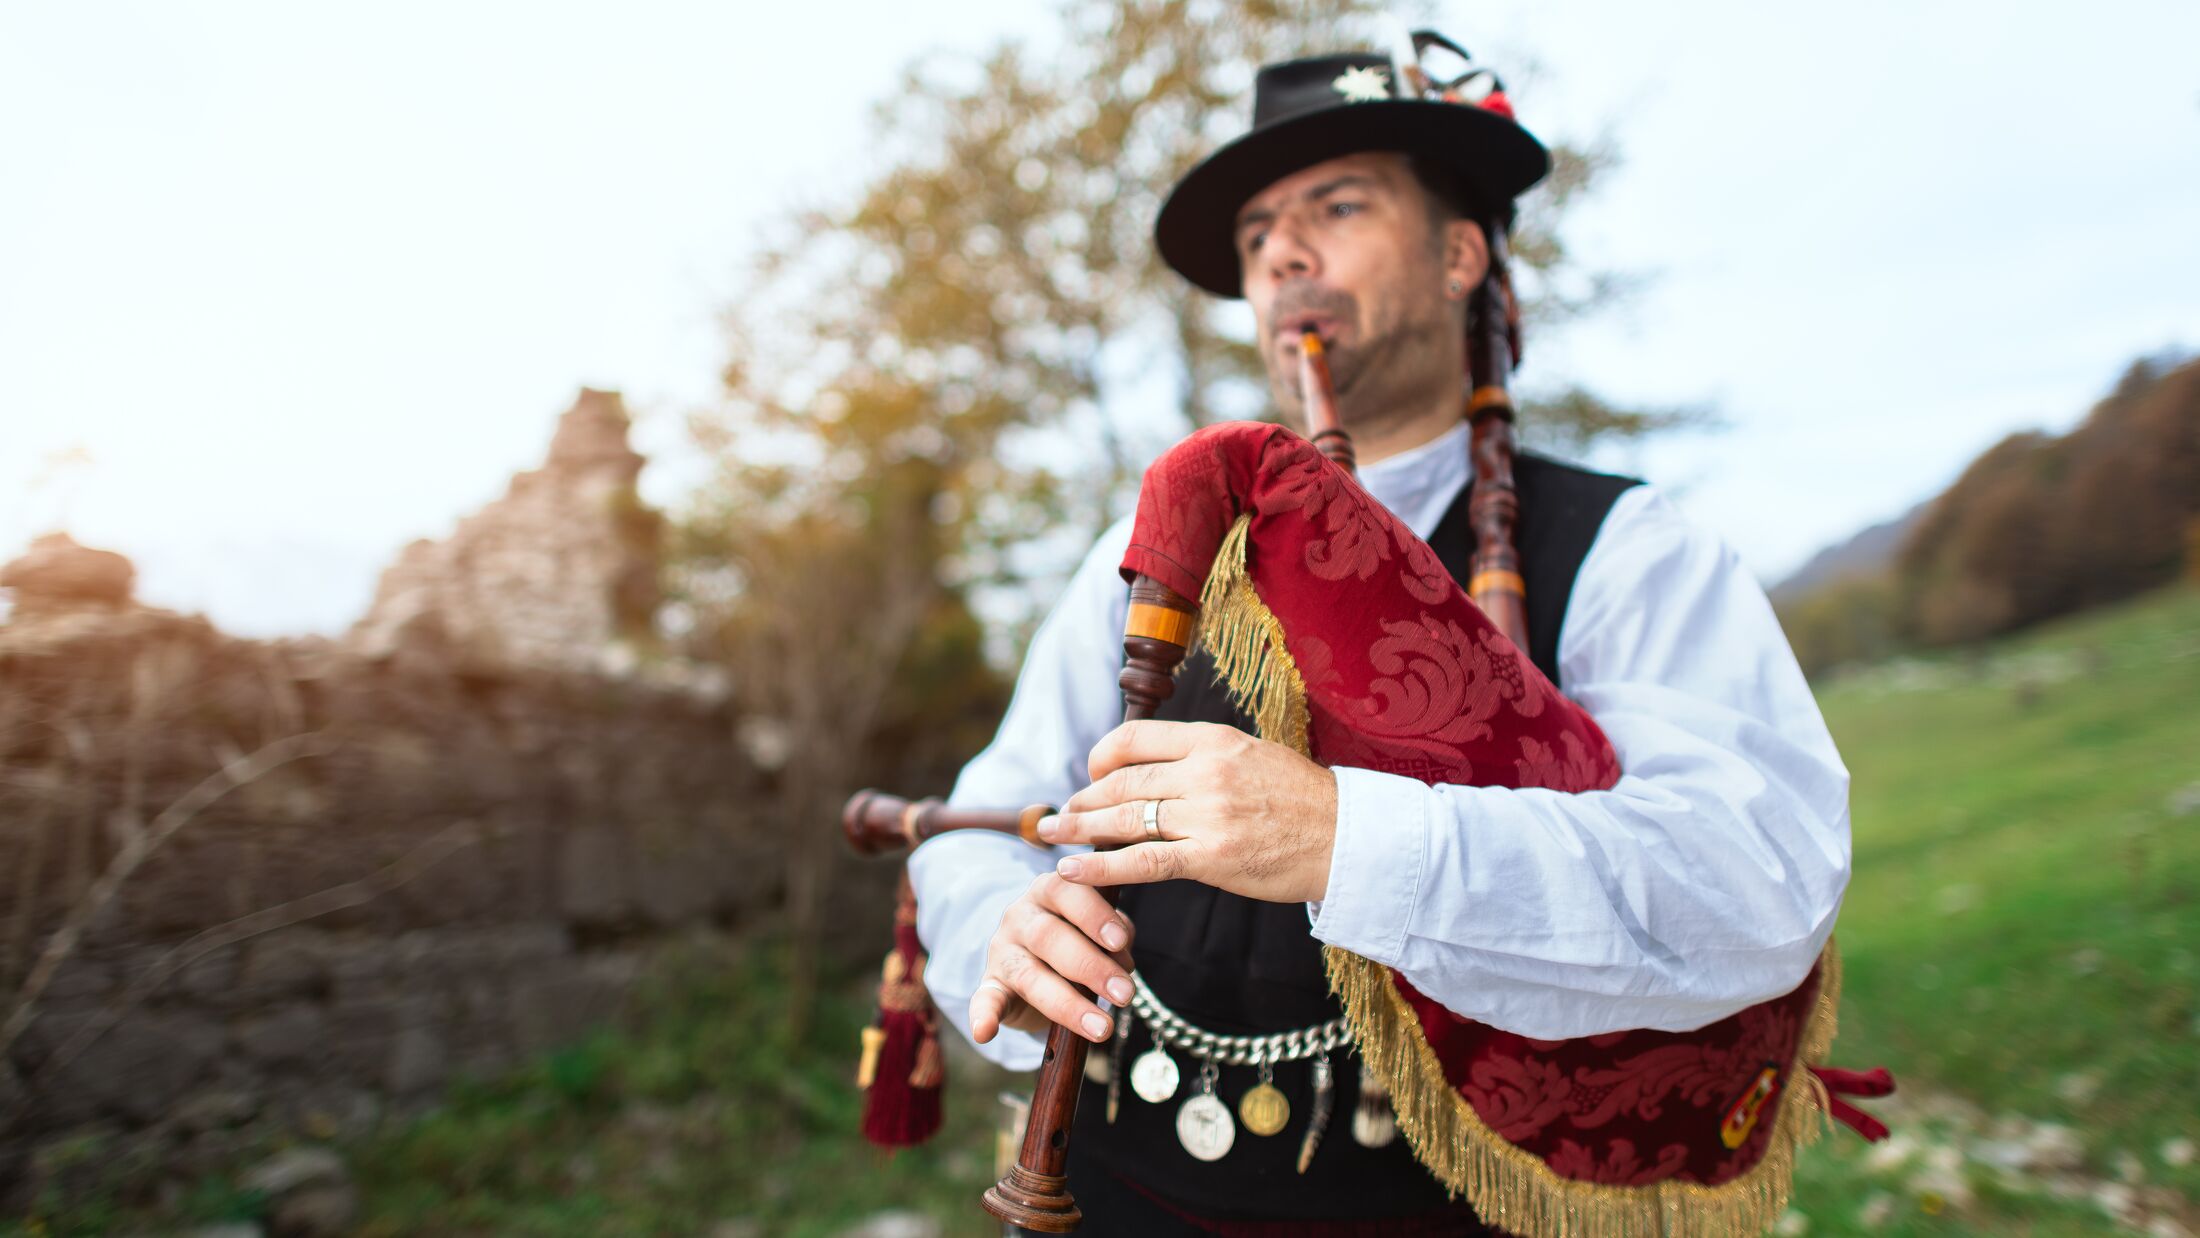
(554, 825)
(558, 574)
(560, 827)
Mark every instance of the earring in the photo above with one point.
(1456, 287)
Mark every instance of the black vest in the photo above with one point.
(1240, 966)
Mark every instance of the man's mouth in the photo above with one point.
(1290, 329)
(1301, 305)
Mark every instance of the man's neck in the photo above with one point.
(1391, 436)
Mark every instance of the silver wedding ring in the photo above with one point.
(1150, 817)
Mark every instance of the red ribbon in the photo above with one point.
(1839, 1083)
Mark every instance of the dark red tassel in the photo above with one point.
(903, 1073)
(1874, 1082)
(1495, 101)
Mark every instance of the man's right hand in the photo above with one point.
(1055, 936)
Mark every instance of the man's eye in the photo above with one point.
(1252, 243)
(1340, 210)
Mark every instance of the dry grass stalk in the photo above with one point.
(429, 853)
(141, 845)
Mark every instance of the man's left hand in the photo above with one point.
(1237, 813)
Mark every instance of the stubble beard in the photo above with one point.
(1377, 379)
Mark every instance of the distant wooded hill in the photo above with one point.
(1866, 553)
(2039, 526)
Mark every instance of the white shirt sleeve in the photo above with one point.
(1066, 700)
(1706, 881)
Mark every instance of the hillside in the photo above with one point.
(1868, 552)
(2038, 527)
(2022, 932)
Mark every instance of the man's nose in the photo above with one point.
(1287, 253)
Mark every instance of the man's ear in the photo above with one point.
(1466, 254)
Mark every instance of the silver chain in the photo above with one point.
(1172, 1029)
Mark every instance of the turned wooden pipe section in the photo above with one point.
(1035, 1193)
(1324, 427)
(876, 823)
(1493, 508)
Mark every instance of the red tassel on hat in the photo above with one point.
(903, 1072)
(1496, 102)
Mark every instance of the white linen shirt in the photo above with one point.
(1706, 881)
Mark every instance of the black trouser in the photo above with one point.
(1115, 1209)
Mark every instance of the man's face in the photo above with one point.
(1347, 248)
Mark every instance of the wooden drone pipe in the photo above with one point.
(876, 823)
(1493, 508)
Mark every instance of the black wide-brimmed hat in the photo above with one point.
(1306, 111)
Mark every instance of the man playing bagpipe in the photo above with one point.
(1407, 941)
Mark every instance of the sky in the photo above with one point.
(283, 287)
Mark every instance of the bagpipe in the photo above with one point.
(1345, 638)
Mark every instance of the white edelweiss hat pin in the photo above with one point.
(1362, 84)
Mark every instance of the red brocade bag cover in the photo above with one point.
(1346, 638)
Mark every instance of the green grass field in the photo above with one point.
(702, 1113)
(2023, 927)
(2022, 940)
(697, 1112)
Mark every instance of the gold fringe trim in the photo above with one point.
(1817, 1039)
(1514, 1189)
(1246, 640)
(1510, 1187)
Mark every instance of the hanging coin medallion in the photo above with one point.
(1203, 1124)
(1263, 1108)
(1154, 1075)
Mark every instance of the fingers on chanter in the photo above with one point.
(1072, 955)
(1097, 828)
(1140, 742)
(1121, 785)
(1054, 997)
(1121, 825)
(1137, 864)
(1084, 907)
(990, 1007)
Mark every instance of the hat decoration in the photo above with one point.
(1474, 84)
(1426, 98)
